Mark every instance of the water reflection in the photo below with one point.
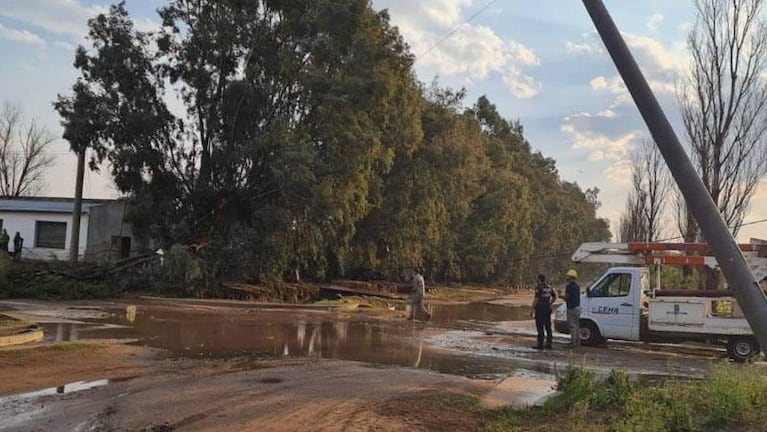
(449, 314)
(293, 333)
(57, 333)
(64, 389)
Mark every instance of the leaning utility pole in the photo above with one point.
(74, 239)
(739, 276)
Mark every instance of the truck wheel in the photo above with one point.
(590, 335)
(741, 349)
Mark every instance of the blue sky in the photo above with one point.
(538, 61)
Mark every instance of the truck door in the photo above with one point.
(610, 303)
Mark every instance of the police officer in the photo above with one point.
(544, 298)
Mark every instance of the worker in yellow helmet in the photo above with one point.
(573, 298)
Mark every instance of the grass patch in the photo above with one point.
(734, 398)
(72, 346)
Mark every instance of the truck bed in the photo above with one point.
(697, 315)
(694, 293)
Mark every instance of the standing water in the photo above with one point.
(282, 333)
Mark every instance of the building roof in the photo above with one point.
(46, 205)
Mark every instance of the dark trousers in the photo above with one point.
(543, 322)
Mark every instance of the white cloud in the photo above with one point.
(619, 172)
(654, 53)
(521, 85)
(446, 13)
(582, 132)
(68, 17)
(64, 45)
(654, 22)
(474, 51)
(660, 65)
(612, 85)
(608, 113)
(580, 48)
(21, 36)
(146, 25)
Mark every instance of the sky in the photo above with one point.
(540, 62)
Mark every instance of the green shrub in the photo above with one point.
(613, 392)
(5, 280)
(576, 385)
(734, 397)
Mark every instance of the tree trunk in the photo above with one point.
(74, 241)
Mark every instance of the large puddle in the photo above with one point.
(282, 333)
(451, 314)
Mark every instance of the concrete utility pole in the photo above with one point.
(74, 239)
(739, 276)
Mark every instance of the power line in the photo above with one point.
(455, 30)
(756, 222)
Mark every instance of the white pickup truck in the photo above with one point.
(621, 305)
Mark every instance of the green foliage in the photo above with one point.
(180, 268)
(576, 385)
(674, 278)
(732, 398)
(50, 281)
(5, 280)
(305, 143)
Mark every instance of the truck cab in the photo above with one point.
(611, 306)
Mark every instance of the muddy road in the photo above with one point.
(176, 365)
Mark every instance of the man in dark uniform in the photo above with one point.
(544, 298)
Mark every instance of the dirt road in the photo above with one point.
(242, 395)
(222, 368)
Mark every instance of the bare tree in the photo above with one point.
(724, 104)
(23, 153)
(646, 204)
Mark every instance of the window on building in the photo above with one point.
(1, 225)
(51, 235)
(121, 246)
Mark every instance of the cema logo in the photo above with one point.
(606, 310)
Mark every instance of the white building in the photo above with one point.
(46, 226)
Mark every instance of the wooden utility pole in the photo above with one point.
(74, 239)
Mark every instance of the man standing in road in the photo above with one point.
(544, 298)
(417, 300)
(573, 298)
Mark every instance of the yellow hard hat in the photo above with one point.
(572, 273)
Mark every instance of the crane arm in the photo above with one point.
(668, 254)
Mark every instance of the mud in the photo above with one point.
(36, 369)
(208, 367)
(219, 396)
